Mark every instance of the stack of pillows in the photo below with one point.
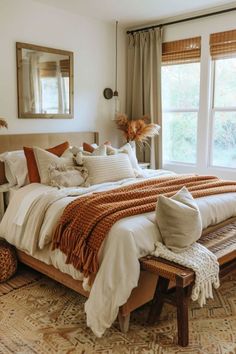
(65, 166)
(178, 218)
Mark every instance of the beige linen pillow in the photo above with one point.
(45, 159)
(98, 151)
(179, 220)
(108, 168)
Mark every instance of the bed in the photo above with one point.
(128, 287)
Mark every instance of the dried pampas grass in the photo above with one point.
(137, 129)
(3, 123)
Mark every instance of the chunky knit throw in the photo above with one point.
(86, 221)
(202, 261)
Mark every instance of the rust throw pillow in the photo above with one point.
(87, 147)
(31, 162)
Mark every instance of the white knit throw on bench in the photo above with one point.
(202, 261)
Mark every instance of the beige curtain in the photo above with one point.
(144, 86)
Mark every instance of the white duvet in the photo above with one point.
(32, 215)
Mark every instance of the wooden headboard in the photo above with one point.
(43, 140)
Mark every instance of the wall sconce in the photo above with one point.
(108, 93)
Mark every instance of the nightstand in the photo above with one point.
(3, 189)
(144, 165)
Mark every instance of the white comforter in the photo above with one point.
(30, 220)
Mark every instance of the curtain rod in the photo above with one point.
(182, 20)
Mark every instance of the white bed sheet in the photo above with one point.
(129, 239)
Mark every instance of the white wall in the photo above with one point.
(202, 27)
(93, 44)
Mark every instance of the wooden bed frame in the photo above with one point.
(147, 281)
(154, 280)
(139, 296)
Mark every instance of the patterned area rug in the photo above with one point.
(38, 315)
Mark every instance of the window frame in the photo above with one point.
(170, 163)
(213, 110)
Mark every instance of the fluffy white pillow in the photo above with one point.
(62, 176)
(179, 220)
(108, 168)
(15, 167)
(45, 159)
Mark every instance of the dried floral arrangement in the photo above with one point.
(138, 130)
(3, 123)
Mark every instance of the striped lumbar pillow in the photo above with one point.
(108, 168)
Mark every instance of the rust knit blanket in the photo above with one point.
(86, 221)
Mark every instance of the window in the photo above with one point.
(50, 94)
(223, 53)
(54, 86)
(180, 100)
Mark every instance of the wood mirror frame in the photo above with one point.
(59, 65)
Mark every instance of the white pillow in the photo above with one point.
(108, 168)
(98, 150)
(45, 159)
(16, 170)
(179, 220)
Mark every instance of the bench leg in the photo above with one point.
(182, 300)
(158, 300)
(124, 322)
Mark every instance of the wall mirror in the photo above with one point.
(44, 81)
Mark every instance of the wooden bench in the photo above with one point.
(222, 242)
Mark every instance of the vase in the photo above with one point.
(133, 145)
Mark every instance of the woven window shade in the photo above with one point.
(182, 51)
(48, 69)
(223, 44)
(65, 67)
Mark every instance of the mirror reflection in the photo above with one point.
(44, 82)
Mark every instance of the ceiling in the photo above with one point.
(131, 13)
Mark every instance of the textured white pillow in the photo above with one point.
(179, 220)
(45, 159)
(98, 150)
(63, 176)
(16, 170)
(108, 168)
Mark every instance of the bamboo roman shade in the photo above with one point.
(223, 44)
(65, 67)
(181, 51)
(48, 69)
